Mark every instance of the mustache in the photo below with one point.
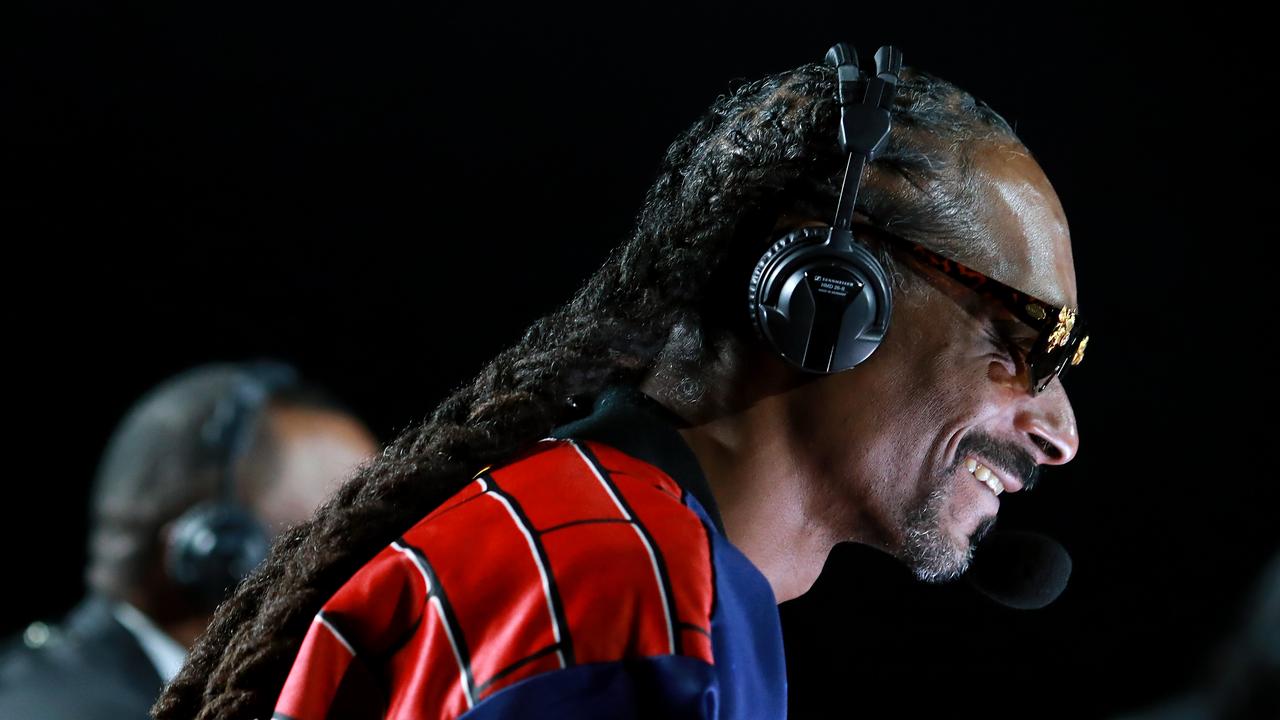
(1009, 456)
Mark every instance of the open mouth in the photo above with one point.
(994, 481)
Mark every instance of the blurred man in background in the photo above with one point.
(195, 481)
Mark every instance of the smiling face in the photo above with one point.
(912, 450)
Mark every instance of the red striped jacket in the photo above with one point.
(576, 578)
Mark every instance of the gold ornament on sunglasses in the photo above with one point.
(1062, 331)
(1080, 351)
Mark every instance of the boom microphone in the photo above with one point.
(1022, 570)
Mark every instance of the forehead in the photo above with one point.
(316, 439)
(315, 450)
(1021, 214)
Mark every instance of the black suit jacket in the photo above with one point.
(91, 667)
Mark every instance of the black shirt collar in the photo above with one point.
(625, 418)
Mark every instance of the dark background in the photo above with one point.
(388, 195)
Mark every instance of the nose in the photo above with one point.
(1051, 424)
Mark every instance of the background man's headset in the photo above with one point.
(216, 543)
(818, 296)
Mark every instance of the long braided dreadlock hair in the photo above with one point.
(765, 150)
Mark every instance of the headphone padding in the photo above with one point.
(854, 290)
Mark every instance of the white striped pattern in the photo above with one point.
(653, 558)
(434, 601)
(533, 550)
(324, 622)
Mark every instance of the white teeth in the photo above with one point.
(984, 475)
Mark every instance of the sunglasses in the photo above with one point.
(1061, 338)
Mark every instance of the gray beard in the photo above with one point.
(929, 550)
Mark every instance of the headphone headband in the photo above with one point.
(216, 543)
(228, 432)
(818, 296)
(865, 123)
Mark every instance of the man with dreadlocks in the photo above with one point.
(602, 522)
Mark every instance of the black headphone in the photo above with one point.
(216, 543)
(818, 296)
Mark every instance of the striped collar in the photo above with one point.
(625, 418)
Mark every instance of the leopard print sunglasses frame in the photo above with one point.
(1061, 332)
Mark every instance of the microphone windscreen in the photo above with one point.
(1022, 570)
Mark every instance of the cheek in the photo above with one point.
(937, 380)
(881, 434)
(930, 386)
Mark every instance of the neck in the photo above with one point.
(185, 632)
(171, 615)
(769, 513)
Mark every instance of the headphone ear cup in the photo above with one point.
(820, 299)
(757, 274)
(211, 547)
